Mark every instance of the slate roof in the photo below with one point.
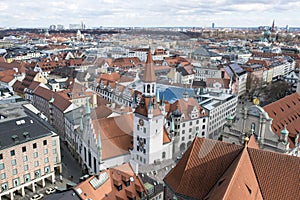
(32, 126)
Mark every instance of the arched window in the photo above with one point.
(148, 88)
(163, 155)
(153, 88)
(144, 88)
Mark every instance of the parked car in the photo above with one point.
(50, 190)
(37, 196)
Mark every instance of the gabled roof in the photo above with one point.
(104, 185)
(235, 183)
(116, 135)
(61, 103)
(114, 76)
(212, 169)
(186, 107)
(200, 168)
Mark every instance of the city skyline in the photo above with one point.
(116, 13)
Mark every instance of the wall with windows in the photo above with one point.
(28, 162)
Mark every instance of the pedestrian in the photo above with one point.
(60, 178)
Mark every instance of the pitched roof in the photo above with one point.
(277, 174)
(149, 73)
(285, 112)
(101, 111)
(235, 183)
(166, 138)
(143, 107)
(200, 168)
(224, 82)
(110, 179)
(216, 170)
(186, 107)
(116, 135)
(61, 103)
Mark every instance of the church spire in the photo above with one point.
(149, 74)
(149, 78)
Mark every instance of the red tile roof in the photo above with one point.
(116, 176)
(166, 138)
(236, 183)
(101, 111)
(116, 135)
(143, 107)
(61, 103)
(110, 77)
(216, 170)
(202, 165)
(186, 107)
(285, 112)
(126, 62)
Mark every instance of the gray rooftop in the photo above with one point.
(18, 125)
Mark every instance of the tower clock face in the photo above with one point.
(141, 122)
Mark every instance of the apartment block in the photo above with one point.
(29, 151)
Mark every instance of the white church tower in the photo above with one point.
(148, 130)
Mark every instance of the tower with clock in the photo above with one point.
(149, 137)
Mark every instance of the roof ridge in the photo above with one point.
(233, 177)
(187, 162)
(251, 160)
(238, 159)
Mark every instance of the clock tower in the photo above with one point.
(148, 121)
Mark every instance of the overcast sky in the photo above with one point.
(198, 13)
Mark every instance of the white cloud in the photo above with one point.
(28, 13)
